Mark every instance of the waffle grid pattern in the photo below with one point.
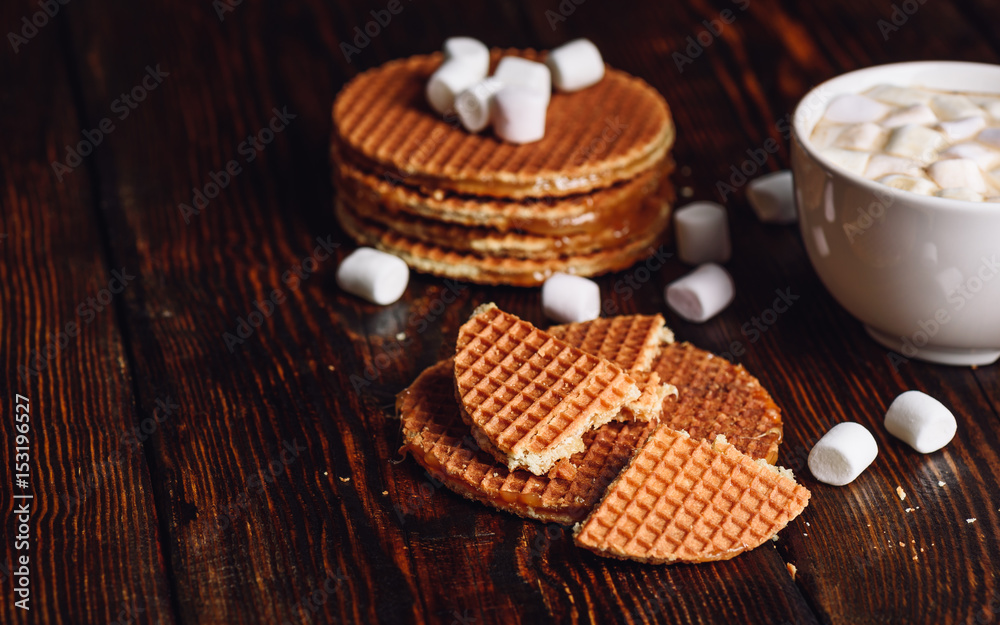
(439, 440)
(682, 499)
(630, 341)
(381, 115)
(490, 269)
(717, 397)
(529, 393)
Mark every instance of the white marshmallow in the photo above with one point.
(474, 105)
(909, 183)
(957, 172)
(960, 194)
(519, 114)
(948, 106)
(883, 164)
(468, 50)
(900, 96)
(701, 294)
(702, 233)
(920, 421)
(990, 136)
(571, 299)
(452, 78)
(983, 156)
(851, 160)
(962, 128)
(993, 108)
(916, 142)
(842, 454)
(516, 71)
(825, 134)
(866, 136)
(915, 114)
(375, 276)
(851, 108)
(576, 65)
(772, 198)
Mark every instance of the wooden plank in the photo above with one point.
(320, 539)
(93, 549)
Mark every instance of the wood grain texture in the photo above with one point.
(276, 483)
(95, 554)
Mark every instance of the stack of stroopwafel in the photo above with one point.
(744, 501)
(592, 196)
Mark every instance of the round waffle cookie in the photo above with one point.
(641, 213)
(473, 267)
(607, 133)
(573, 216)
(717, 397)
(437, 438)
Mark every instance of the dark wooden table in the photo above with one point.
(203, 452)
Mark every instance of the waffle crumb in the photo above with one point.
(345, 479)
(791, 570)
(901, 493)
(915, 558)
(910, 509)
(972, 520)
(940, 483)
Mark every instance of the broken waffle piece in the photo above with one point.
(437, 438)
(529, 397)
(632, 342)
(684, 500)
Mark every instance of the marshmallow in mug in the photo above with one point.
(842, 454)
(576, 65)
(701, 294)
(571, 299)
(915, 139)
(373, 275)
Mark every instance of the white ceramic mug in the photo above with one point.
(921, 272)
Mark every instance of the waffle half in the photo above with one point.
(717, 397)
(439, 440)
(528, 396)
(685, 500)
